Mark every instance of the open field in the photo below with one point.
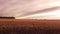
(29, 26)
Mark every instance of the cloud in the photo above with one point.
(18, 8)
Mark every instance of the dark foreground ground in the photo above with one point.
(29, 26)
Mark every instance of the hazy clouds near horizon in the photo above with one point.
(18, 8)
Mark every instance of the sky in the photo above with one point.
(30, 9)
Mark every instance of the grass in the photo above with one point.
(29, 26)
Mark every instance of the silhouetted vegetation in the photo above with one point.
(7, 17)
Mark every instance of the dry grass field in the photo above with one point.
(29, 26)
